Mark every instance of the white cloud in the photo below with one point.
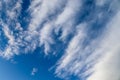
(108, 66)
(41, 10)
(8, 34)
(46, 36)
(72, 49)
(103, 50)
(32, 37)
(34, 71)
(12, 14)
(101, 2)
(76, 57)
(15, 11)
(100, 59)
(66, 19)
(0, 5)
(11, 47)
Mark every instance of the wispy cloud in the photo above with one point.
(97, 59)
(66, 20)
(6, 24)
(41, 10)
(34, 71)
(93, 28)
(79, 57)
(40, 30)
(107, 67)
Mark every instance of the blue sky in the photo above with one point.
(59, 39)
(20, 68)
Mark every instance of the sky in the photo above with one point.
(59, 39)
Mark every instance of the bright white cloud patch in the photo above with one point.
(108, 66)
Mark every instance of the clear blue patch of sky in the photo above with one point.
(22, 68)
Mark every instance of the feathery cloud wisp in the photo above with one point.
(34, 71)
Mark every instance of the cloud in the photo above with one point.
(77, 59)
(108, 66)
(101, 2)
(34, 71)
(66, 20)
(12, 14)
(97, 60)
(11, 47)
(71, 53)
(41, 10)
(31, 38)
(92, 26)
(42, 27)
(46, 37)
